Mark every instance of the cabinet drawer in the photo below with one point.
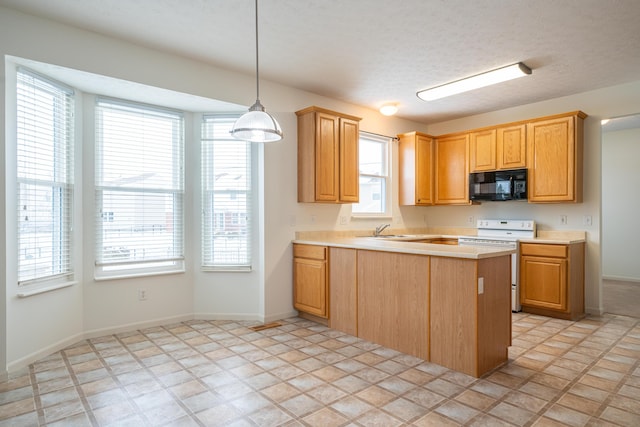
(310, 251)
(538, 249)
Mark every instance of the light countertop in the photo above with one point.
(404, 244)
(417, 248)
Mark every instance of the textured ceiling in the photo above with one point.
(368, 52)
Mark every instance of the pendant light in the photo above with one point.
(257, 125)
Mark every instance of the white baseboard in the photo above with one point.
(4, 376)
(228, 316)
(94, 333)
(621, 279)
(25, 361)
(595, 311)
(245, 316)
(280, 316)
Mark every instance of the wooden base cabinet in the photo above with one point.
(343, 287)
(310, 279)
(470, 305)
(552, 280)
(393, 300)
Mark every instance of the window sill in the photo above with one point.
(135, 275)
(32, 292)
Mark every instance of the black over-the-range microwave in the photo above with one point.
(498, 185)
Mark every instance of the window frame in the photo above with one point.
(171, 263)
(385, 176)
(211, 227)
(61, 183)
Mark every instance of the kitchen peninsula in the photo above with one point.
(442, 303)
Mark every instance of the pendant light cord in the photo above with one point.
(257, 66)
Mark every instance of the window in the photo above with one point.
(139, 188)
(374, 159)
(45, 137)
(226, 196)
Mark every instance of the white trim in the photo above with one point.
(134, 275)
(229, 316)
(621, 279)
(26, 294)
(25, 361)
(595, 311)
(135, 326)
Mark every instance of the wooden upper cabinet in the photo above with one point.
(349, 176)
(415, 151)
(452, 170)
(555, 158)
(498, 148)
(511, 147)
(482, 150)
(327, 156)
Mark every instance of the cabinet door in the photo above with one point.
(424, 171)
(343, 290)
(415, 157)
(552, 160)
(310, 286)
(511, 147)
(543, 282)
(482, 149)
(452, 170)
(327, 152)
(349, 163)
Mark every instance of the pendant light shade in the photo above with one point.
(257, 125)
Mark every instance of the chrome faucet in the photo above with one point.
(380, 229)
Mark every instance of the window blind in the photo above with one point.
(139, 186)
(226, 196)
(373, 163)
(45, 125)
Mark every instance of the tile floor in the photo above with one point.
(221, 373)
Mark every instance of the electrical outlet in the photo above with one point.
(142, 294)
(343, 220)
(563, 219)
(313, 219)
(587, 220)
(470, 220)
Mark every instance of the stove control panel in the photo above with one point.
(507, 224)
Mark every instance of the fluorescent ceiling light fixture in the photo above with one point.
(389, 109)
(498, 75)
